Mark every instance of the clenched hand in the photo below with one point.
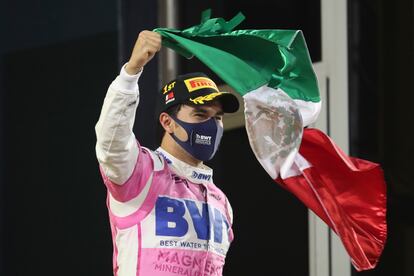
(146, 46)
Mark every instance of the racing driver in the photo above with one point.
(166, 215)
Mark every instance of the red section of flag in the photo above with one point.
(349, 194)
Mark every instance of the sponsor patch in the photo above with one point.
(201, 176)
(168, 87)
(169, 97)
(203, 140)
(199, 83)
(217, 197)
(207, 222)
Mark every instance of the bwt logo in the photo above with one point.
(201, 176)
(203, 139)
(170, 220)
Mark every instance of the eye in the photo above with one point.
(200, 115)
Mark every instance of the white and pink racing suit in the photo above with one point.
(167, 217)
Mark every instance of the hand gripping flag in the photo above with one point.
(273, 72)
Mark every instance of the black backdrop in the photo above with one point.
(52, 217)
(56, 60)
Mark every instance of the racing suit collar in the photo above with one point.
(201, 174)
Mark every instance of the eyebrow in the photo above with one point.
(201, 110)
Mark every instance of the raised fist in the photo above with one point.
(146, 46)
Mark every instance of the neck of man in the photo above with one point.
(170, 145)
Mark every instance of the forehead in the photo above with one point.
(212, 108)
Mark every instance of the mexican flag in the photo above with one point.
(273, 72)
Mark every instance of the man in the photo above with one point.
(166, 215)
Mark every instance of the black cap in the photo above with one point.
(195, 89)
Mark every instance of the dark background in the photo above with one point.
(57, 59)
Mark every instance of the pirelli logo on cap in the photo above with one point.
(199, 83)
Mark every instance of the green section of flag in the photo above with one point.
(248, 59)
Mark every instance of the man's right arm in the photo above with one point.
(116, 148)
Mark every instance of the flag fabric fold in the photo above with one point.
(273, 72)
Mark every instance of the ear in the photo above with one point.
(167, 122)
